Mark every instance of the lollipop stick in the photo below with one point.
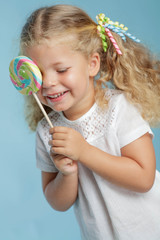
(42, 109)
(45, 114)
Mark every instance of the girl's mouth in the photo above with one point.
(56, 97)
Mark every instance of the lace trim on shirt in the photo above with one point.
(91, 126)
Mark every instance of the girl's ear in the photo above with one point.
(94, 64)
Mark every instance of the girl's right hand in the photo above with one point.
(64, 164)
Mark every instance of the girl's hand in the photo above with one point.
(65, 165)
(67, 142)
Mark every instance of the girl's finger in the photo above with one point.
(59, 136)
(62, 161)
(58, 150)
(59, 130)
(56, 143)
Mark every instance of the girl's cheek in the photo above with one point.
(40, 96)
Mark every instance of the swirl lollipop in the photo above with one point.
(27, 79)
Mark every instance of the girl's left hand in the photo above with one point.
(68, 142)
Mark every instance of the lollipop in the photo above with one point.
(27, 79)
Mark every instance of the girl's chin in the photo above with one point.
(57, 108)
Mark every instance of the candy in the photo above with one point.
(25, 75)
(27, 79)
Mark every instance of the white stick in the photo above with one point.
(42, 109)
(45, 114)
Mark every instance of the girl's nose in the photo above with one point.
(49, 81)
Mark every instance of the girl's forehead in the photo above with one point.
(53, 52)
(49, 50)
(54, 46)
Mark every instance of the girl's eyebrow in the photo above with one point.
(57, 63)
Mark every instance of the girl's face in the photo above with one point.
(67, 78)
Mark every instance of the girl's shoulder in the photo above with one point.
(115, 98)
(112, 93)
(120, 107)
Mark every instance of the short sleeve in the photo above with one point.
(129, 123)
(43, 159)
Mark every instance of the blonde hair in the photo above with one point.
(136, 72)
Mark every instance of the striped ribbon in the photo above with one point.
(104, 24)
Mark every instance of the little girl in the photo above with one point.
(99, 155)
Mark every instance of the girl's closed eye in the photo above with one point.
(62, 70)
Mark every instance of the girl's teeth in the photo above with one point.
(57, 95)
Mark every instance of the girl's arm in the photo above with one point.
(134, 169)
(60, 189)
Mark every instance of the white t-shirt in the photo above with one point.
(106, 211)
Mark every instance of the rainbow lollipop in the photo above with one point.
(27, 79)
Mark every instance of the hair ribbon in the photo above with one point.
(105, 25)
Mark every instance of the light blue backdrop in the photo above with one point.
(24, 213)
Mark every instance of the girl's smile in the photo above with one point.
(67, 78)
(56, 97)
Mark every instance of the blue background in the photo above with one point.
(24, 213)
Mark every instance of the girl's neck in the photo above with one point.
(82, 107)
